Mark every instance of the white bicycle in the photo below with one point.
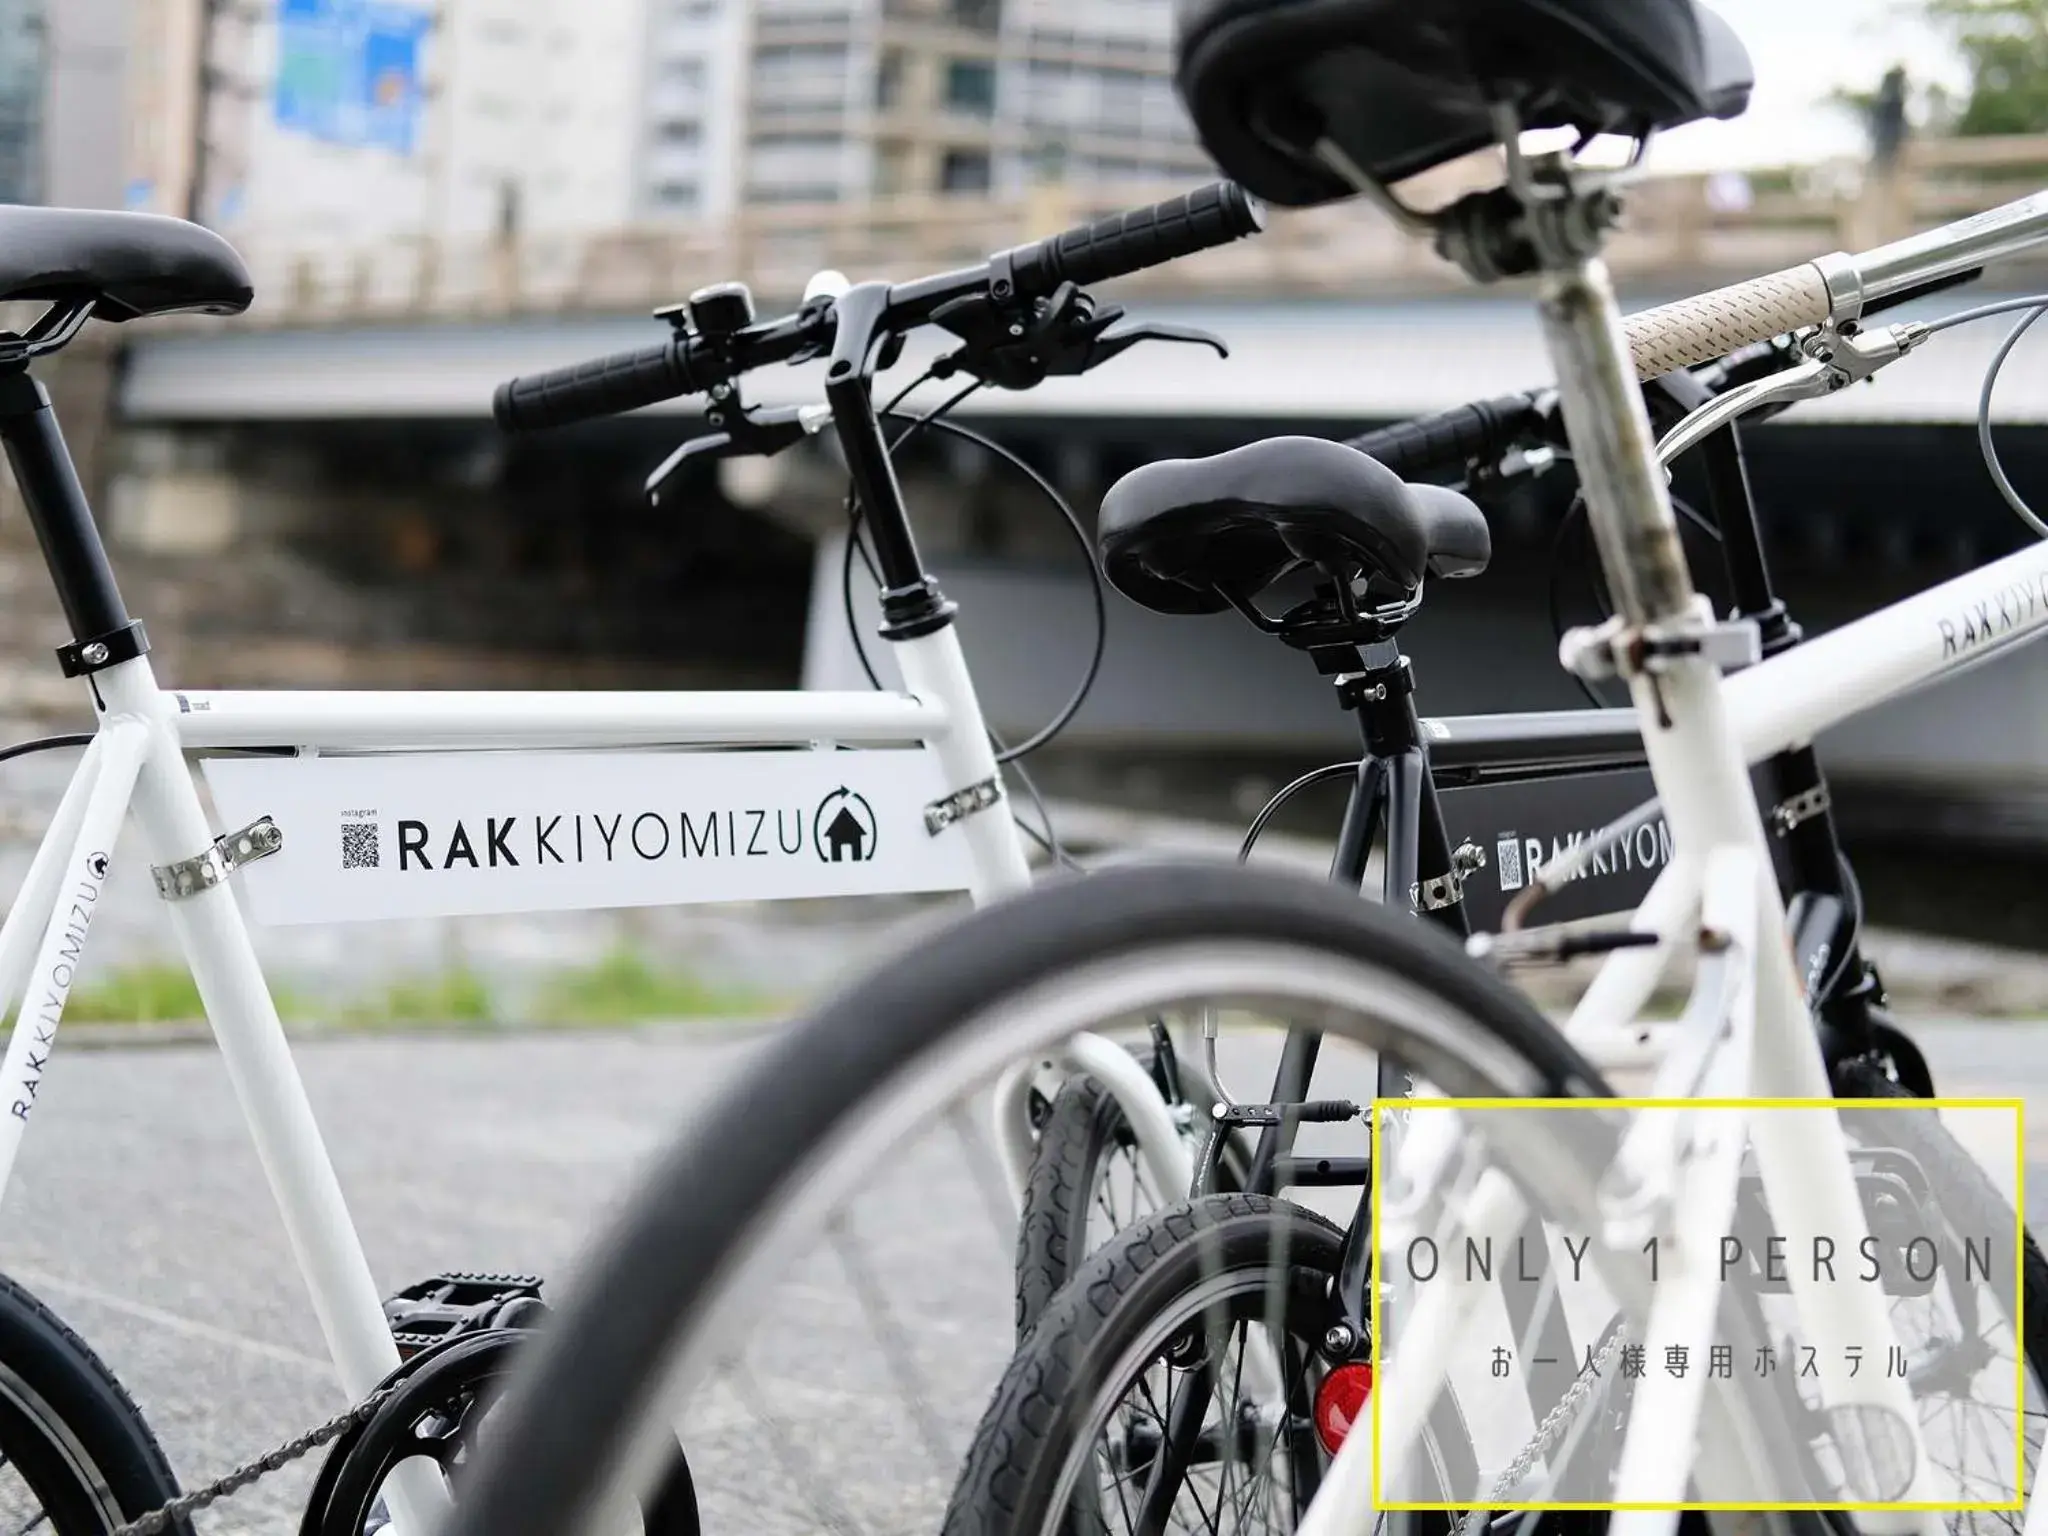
(346, 806)
(667, 1331)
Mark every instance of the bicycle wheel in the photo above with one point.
(76, 1457)
(1087, 1182)
(657, 1334)
(1962, 1338)
(1128, 1409)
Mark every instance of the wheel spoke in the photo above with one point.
(782, 1443)
(895, 1341)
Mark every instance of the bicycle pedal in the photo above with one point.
(1314, 1112)
(424, 1314)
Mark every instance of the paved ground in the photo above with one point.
(140, 1213)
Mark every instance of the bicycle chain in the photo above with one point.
(1558, 1420)
(160, 1519)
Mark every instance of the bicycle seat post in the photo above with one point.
(65, 531)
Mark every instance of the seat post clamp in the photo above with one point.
(81, 658)
(1613, 649)
(962, 803)
(221, 858)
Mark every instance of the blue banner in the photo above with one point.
(348, 71)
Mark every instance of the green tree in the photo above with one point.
(2004, 45)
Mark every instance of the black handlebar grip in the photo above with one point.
(1323, 1111)
(1451, 439)
(604, 386)
(1129, 242)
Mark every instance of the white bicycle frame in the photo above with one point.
(1749, 1034)
(137, 762)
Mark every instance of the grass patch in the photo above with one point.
(150, 993)
(455, 996)
(136, 994)
(623, 988)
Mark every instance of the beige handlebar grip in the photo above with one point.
(1710, 325)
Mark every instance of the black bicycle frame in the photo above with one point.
(1397, 802)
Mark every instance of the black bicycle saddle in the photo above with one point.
(1175, 535)
(1400, 86)
(130, 265)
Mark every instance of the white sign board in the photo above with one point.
(439, 834)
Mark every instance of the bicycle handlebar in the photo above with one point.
(1451, 439)
(684, 364)
(604, 386)
(1837, 287)
(1124, 243)
(1710, 325)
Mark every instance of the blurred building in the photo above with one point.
(851, 99)
(374, 119)
(61, 65)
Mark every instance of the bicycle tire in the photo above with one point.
(640, 1316)
(1131, 1289)
(70, 1428)
(1083, 1125)
(1971, 1199)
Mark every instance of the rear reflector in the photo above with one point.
(1340, 1403)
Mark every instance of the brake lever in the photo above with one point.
(761, 432)
(1117, 342)
(1835, 359)
(1808, 381)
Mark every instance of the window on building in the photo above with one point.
(1124, 93)
(982, 15)
(889, 80)
(676, 196)
(971, 86)
(964, 170)
(892, 170)
(24, 54)
(507, 220)
(795, 167)
(1122, 170)
(678, 132)
(683, 72)
(800, 76)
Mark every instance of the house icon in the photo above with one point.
(846, 836)
(843, 828)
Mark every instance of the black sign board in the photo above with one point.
(1523, 825)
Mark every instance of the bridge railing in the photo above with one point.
(1680, 230)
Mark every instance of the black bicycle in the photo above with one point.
(1467, 810)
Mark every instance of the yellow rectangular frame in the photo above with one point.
(2019, 1111)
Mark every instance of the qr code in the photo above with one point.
(1508, 858)
(359, 845)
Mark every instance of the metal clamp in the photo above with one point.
(962, 803)
(82, 657)
(1613, 649)
(1447, 890)
(1804, 806)
(203, 871)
